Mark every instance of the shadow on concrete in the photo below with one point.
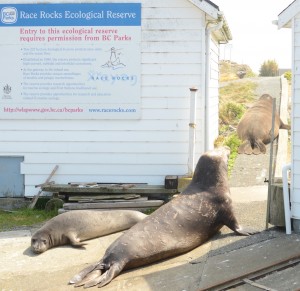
(193, 274)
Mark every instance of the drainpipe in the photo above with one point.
(192, 131)
(295, 210)
(286, 198)
(210, 27)
(291, 204)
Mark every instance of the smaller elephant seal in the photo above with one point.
(182, 224)
(255, 127)
(76, 226)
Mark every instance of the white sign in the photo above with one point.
(70, 61)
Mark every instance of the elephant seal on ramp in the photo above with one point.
(76, 226)
(177, 227)
(254, 129)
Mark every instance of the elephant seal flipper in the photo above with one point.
(238, 229)
(284, 126)
(177, 227)
(94, 275)
(256, 150)
(93, 278)
(74, 240)
(245, 231)
(79, 277)
(97, 277)
(245, 148)
(259, 147)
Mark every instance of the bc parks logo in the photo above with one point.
(6, 92)
(9, 15)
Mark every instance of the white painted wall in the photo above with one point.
(295, 197)
(213, 100)
(145, 150)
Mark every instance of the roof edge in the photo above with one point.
(285, 17)
(214, 12)
(207, 6)
(226, 30)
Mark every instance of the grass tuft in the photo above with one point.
(230, 113)
(238, 92)
(23, 217)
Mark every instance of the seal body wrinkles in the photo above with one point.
(178, 226)
(255, 127)
(79, 225)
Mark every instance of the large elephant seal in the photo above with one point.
(177, 227)
(254, 129)
(76, 226)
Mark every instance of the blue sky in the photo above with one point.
(255, 38)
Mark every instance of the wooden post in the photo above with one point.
(276, 213)
(36, 197)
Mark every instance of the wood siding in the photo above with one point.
(296, 112)
(213, 100)
(128, 151)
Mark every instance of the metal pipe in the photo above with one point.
(286, 198)
(271, 162)
(192, 130)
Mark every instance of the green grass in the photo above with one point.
(238, 92)
(288, 76)
(23, 217)
(230, 113)
(233, 142)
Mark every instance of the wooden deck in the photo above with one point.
(90, 188)
(110, 196)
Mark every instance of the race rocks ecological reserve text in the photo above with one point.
(77, 15)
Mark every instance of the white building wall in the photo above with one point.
(129, 151)
(213, 100)
(296, 117)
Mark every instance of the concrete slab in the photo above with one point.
(20, 269)
(249, 194)
(224, 255)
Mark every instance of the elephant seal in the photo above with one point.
(254, 129)
(178, 226)
(79, 225)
